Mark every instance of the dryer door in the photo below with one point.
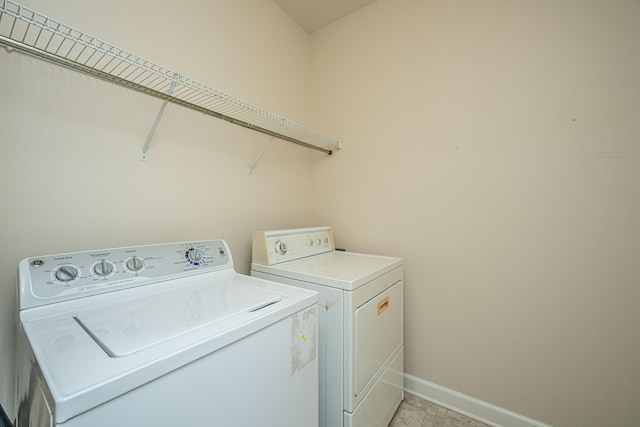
(378, 333)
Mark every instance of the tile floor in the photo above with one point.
(415, 412)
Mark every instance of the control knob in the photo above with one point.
(66, 273)
(103, 268)
(135, 264)
(194, 255)
(281, 247)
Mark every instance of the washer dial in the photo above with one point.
(66, 274)
(103, 268)
(134, 264)
(195, 256)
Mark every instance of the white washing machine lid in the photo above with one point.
(147, 321)
(91, 350)
(337, 269)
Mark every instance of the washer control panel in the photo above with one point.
(274, 247)
(51, 278)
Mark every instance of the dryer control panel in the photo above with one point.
(274, 247)
(53, 278)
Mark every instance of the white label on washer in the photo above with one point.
(304, 340)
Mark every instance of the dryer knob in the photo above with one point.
(103, 268)
(135, 263)
(66, 273)
(281, 247)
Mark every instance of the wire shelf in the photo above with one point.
(34, 33)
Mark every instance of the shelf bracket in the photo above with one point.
(261, 153)
(143, 155)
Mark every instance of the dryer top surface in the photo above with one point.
(337, 269)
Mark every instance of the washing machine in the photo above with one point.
(162, 335)
(361, 346)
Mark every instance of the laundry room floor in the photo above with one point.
(416, 412)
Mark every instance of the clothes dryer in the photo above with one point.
(360, 320)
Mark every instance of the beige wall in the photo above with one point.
(495, 146)
(70, 171)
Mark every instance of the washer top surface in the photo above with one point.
(337, 269)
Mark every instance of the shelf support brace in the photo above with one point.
(260, 154)
(143, 155)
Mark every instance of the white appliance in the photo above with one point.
(360, 320)
(162, 335)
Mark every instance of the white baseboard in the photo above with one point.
(466, 405)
